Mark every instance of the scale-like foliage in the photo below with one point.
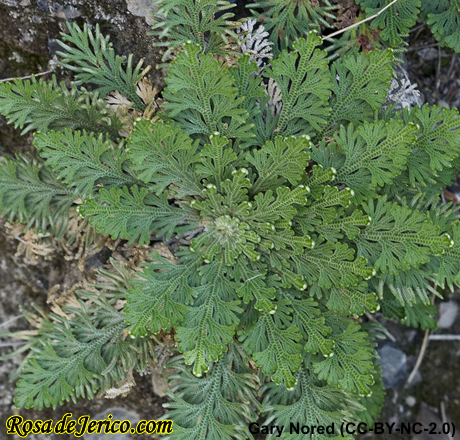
(83, 160)
(446, 264)
(409, 286)
(360, 86)
(92, 58)
(162, 156)
(202, 97)
(394, 21)
(374, 154)
(83, 349)
(31, 193)
(330, 264)
(399, 238)
(280, 161)
(274, 345)
(437, 143)
(305, 89)
(218, 406)
(444, 21)
(132, 214)
(160, 298)
(278, 244)
(307, 317)
(38, 105)
(202, 22)
(211, 321)
(311, 403)
(351, 367)
(285, 20)
(353, 300)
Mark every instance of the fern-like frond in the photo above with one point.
(350, 224)
(444, 21)
(280, 161)
(329, 264)
(80, 355)
(31, 193)
(420, 315)
(360, 87)
(374, 154)
(409, 286)
(159, 299)
(287, 19)
(211, 321)
(447, 264)
(162, 155)
(84, 160)
(38, 105)
(274, 345)
(219, 405)
(353, 300)
(217, 161)
(203, 22)
(312, 403)
(305, 90)
(351, 367)
(133, 214)
(395, 21)
(308, 318)
(437, 143)
(399, 238)
(202, 97)
(92, 58)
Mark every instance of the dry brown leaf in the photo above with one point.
(117, 100)
(146, 91)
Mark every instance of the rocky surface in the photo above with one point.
(394, 365)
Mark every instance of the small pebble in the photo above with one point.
(447, 314)
(394, 366)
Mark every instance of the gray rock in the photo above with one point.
(141, 8)
(117, 414)
(394, 366)
(448, 312)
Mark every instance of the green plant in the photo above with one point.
(443, 17)
(287, 19)
(303, 200)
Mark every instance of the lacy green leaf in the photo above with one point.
(83, 160)
(286, 20)
(218, 405)
(91, 56)
(351, 367)
(274, 345)
(31, 193)
(202, 97)
(162, 156)
(312, 403)
(202, 22)
(305, 89)
(41, 105)
(132, 214)
(395, 21)
(444, 21)
(399, 238)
